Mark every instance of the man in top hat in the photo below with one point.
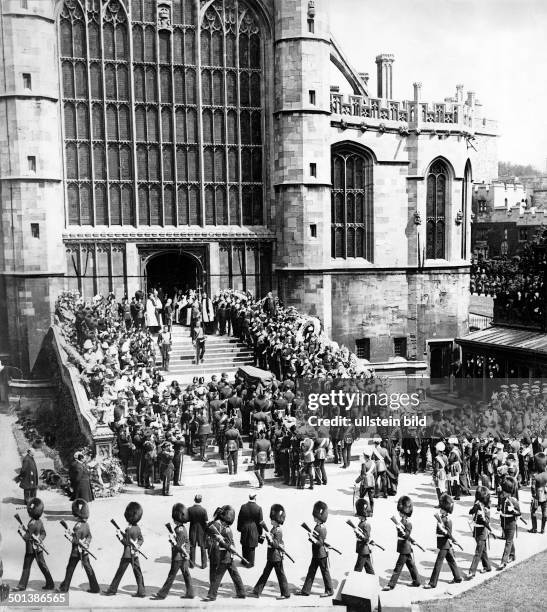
(34, 535)
(320, 555)
(80, 483)
(197, 516)
(28, 476)
(81, 539)
(249, 524)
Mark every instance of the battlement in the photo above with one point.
(460, 117)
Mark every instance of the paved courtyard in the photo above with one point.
(298, 503)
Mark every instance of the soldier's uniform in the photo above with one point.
(225, 539)
(366, 480)
(132, 534)
(538, 488)
(362, 547)
(81, 534)
(321, 449)
(404, 546)
(275, 555)
(480, 514)
(35, 528)
(179, 559)
(509, 512)
(444, 543)
(320, 555)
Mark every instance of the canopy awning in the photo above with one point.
(517, 341)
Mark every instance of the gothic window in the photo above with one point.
(437, 188)
(144, 142)
(352, 205)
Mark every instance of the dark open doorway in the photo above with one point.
(173, 270)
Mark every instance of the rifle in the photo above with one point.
(127, 541)
(270, 539)
(173, 542)
(447, 531)
(313, 539)
(35, 541)
(227, 546)
(486, 526)
(360, 534)
(69, 535)
(401, 529)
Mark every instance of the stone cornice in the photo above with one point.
(28, 96)
(165, 236)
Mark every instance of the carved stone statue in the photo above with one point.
(164, 16)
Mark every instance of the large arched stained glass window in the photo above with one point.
(352, 205)
(153, 137)
(437, 188)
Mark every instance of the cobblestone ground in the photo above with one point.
(157, 511)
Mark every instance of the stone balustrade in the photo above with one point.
(405, 112)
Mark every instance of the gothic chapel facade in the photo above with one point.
(229, 143)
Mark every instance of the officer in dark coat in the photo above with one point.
(35, 533)
(362, 547)
(28, 476)
(197, 515)
(81, 535)
(480, 514)
(249, 524)
(79, 479)
(179, 555)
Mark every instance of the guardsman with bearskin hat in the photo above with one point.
(275, 555)
(180, 554)
(404, 544)
(509, 512)
(538, 487)
(480, 514)
(81, 538)
(225, 539)
(320, 555)
(362, 547)
(444, 543)
(34, 535)
(132, 541)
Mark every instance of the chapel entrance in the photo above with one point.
(173, 270)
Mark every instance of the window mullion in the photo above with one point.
(159, 126)
(199, 101)
(89, 119)
(345, 200)
(173, 123)
(133, 125)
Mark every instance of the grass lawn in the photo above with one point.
(519, 589)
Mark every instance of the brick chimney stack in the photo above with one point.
(384, 64)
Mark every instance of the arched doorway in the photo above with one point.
(171, 270)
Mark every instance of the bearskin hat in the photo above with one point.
(540, 462)
(180, 513)
(80, 509)
(439, 447)
(320, 511)
(446, 503)
(362, 508)
(404, 505)
(133, 513)
(278, 514)
(148, 446)
(509, 485)
(482, 494)
(35, 508)
(227, 515)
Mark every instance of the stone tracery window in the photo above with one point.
(151, 136)
(437, 188)
(352, 205)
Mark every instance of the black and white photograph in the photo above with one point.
(273, 305)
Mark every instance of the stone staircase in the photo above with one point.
(222, 354)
